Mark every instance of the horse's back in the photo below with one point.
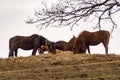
(97, 34)
(60, 45)
(24, 42)
(94, 38)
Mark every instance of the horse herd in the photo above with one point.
(77, 44)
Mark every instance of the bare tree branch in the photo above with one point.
(71, 12)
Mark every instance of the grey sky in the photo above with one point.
(13, 13)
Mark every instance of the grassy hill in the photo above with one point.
(62, 66)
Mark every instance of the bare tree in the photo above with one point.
(71, 12)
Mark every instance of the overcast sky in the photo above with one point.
(13, 14)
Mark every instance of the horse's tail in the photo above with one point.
(9, 48)
(10, 44)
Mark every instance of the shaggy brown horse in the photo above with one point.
(60, 45)
(85, 39)
(69, 45)
(42, 49)
(27, 43)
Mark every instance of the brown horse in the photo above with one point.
(49, 46)
(85, 39)
(69, 45)
(42, 49)
(60, 45)
(26, 43)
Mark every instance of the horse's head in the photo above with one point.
(82, 49)
(51, 46)
(75, 48)
(78, 46)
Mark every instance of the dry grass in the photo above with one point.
(62, 66)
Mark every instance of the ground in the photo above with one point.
(61, 66)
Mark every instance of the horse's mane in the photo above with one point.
(34, 35)
(60, 41)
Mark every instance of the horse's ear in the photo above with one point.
(73, 36)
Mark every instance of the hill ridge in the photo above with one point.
(62, 66)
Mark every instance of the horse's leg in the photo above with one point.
(11, 53)
(34, 51)
(88, 47)
(106, 47)
(16, 52)
(106, 42)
